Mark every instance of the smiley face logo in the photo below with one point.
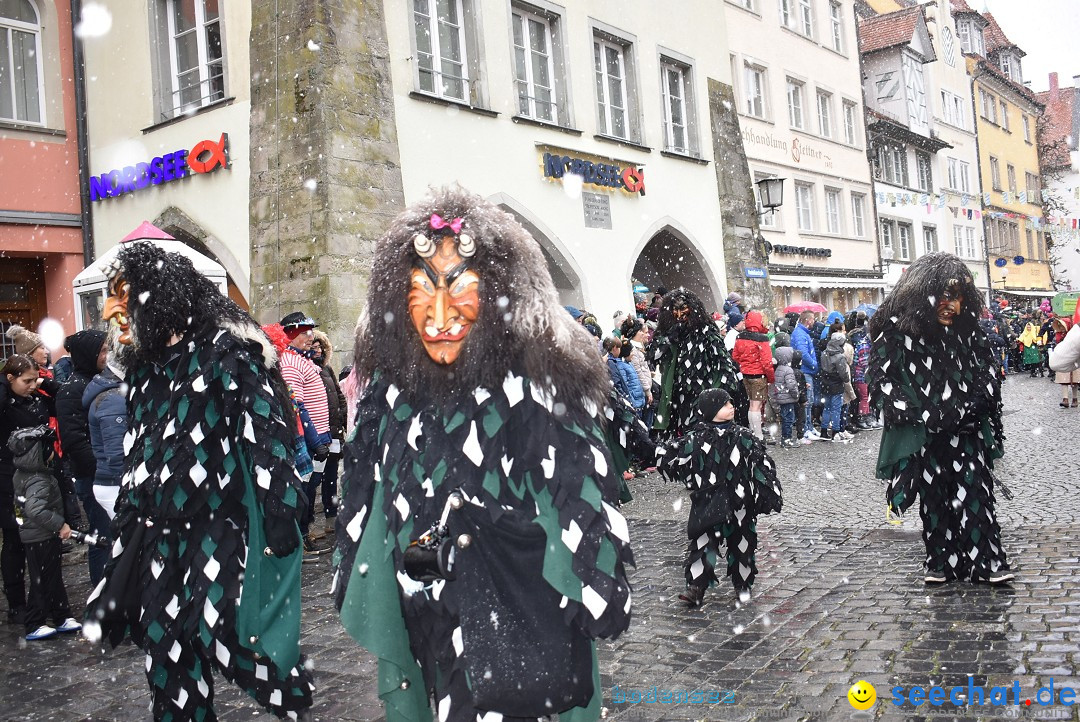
(862, 695)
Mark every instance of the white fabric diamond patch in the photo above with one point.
(472, 446)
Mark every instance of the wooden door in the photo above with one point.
(22, 297)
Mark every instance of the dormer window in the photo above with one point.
(1010, 65)
(971, 36)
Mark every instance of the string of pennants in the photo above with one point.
(977, 210)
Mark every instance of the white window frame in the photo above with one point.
(752, 69)
(824, 113)
(988, 106)
(1005, 116)
(787, 14)
(964, 169)
(796, 100)
(685, 100)
(995, 173)
(604, 100)
(806, 18)
(437, 70)
(836, 19)
(858, 215)
(851, 127)
(887, 234)
(903, 241)
(890, 164)
(205, 79)
(833, 220)
(804, 206)
(8, 26)
(969, 234)
(1010, 171)
(1032, 185)
(1027, 127)
(533, 103)
(952, 167)
(924, 171)
(930, 239)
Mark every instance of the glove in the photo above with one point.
(282, 537)
(321, 452)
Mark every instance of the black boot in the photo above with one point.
(694, 596)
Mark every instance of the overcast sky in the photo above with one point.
(1047, 30)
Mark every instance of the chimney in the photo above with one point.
(1053, 87)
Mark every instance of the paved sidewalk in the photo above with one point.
(839, 598)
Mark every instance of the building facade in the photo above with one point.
(1059, 144)
(41, 241)
(168, 136)
(796, 69)
(1006, 116)
(923, 146)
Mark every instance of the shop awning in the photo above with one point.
(825, 281)
(1026, 294)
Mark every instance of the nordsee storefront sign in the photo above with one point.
(204, 157)
(595, 171)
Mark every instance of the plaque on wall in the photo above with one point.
(597, 207)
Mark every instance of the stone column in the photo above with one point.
(737, 204)
(326, 174)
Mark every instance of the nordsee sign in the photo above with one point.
(605, 175)
(204, 157)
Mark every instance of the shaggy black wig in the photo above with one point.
(167, 297)
(670, 326)
(912, 305)
(521, 326)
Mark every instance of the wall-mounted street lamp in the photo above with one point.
(770, 194)
(887, 256)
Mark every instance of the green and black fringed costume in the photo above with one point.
(941, 400)
(209, 477)
(541, 576)
(628, 438)
(731, 481)
(692, 360)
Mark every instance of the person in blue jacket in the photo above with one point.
(833, 317)
(802, 341)
(106, 408)
(623, 376)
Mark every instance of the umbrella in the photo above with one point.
(805, 306)
(868, 308)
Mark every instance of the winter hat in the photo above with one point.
(84, 347)
(710, 402)
(755, 322)
(734, 297)
(631, 326)
(734, 319)
(26, 342)
(574, 311)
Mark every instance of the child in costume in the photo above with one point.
(932, 372)
(205, 569)
(480, 553)
(732, 480)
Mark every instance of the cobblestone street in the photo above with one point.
(839, 598)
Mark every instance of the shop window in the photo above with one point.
(680, 113)
(539, 74)
(21, 91)
(616, 103)
(191, 66)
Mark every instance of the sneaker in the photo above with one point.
(1002, 577)
(813, 435)
(845, 435)
(70, 625)
(935, 576)
(791, 444)
(693, 596)
(316, 533)
(806, 440)
(42, 632)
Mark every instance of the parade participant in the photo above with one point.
(480, 551)
(1066, 377)
(731, 480)
(690, 354)
(205, 567)
(932, 374)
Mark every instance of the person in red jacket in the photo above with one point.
(754, 355)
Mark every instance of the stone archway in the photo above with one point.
(669, 258)
(565, 273)
(181, 227)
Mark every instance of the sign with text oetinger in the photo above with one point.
(597, 171)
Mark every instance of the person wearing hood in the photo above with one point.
(802, 340)
(88, 350)
(41, 531)
(835, 373)
(731, 479)
(754, 356)
(736, 323)
(833, 317)
(785, 395)
(326, 477)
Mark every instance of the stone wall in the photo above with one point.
(737, 203)
(325, 172)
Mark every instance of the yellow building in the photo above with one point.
(1005, 115)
